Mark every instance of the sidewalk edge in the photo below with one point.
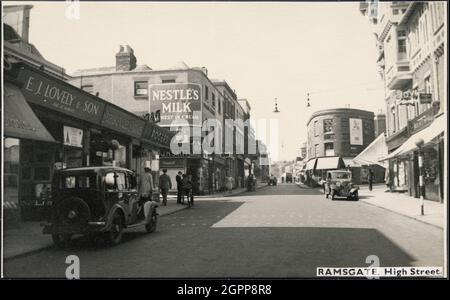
(43, 248)
(402, 214)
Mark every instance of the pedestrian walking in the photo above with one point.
(187, 188)
(387, 180)
(165, 184)
(229, 184)
(370, 178)
(179, 179)
(146, 186)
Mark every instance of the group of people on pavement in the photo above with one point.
(184, 186)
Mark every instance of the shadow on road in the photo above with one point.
(203, 251)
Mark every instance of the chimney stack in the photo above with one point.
(125, 59)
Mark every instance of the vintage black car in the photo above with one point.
(100, 201)
(338, 183)
(272, 180)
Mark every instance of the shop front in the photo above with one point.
(62, 126)
(404, 166)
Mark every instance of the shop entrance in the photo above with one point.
(37, 160)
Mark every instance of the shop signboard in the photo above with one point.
(60, 96)
(421, 121)
(356, 133)
(425, 98)
(122, 121)
(73, 136)
(175, 102)
(156, 134)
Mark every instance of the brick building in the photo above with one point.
(160, 95)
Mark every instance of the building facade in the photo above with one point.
(411, 37)
(340, 132)
(183, 98)
(335, 137)
(50, 125)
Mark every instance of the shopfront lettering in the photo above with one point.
(177, 94)
(60, 96)
(175, 101)
(91, 108)
(50, 92)
(176, 107)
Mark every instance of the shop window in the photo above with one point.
(73, 157)
(88, 88)
(141, 89)
(214, 100)
(206, 92)
(11, 163)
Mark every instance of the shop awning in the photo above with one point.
(20, 120)
(328, 163)
(350, 162)
(373, 153)
(436, 128)
(310, 165)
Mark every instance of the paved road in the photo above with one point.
(282, 231)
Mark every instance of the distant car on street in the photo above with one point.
(97, 201)
(272, 180)
(289, 177)
(338, 183)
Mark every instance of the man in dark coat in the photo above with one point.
(165, 184)
(179, 180)
(370, 178)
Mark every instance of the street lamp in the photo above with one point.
(419, 144)
(276, 107)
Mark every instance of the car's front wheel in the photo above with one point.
(114, 235)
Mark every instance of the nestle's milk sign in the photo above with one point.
(175, 101)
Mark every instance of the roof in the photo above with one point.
(108, 70)
(347, 111)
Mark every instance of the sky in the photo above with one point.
(264, 50)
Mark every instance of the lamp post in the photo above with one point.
(419, 144)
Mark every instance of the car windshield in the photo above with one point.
(73, 181)
(341, 175)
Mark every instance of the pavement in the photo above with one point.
(24, 238)
(283, 231)
(403, 204)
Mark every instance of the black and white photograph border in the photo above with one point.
(224, 140)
